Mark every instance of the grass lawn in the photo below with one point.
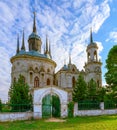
(77, 123)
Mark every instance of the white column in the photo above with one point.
(75, 108)
(37, 110)
(102, 105)
(64, 110)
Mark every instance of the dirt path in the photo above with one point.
(55, 120)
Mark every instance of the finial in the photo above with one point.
(17, 51)
(91, 37)
(34, 23)
(23, 44)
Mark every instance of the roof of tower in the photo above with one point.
(34, 33)
(33, 53)
(92, 43)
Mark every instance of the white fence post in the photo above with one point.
(75, 108)
(102, 105)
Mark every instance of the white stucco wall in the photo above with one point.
(15, 116)
(101, 111)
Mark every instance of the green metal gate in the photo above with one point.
(50, 106)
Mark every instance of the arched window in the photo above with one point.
(73, 70)
(14, 79)
(31, 77)
(95, 55)
(48, 81)
(48, 70)
(73, 81)
(36, 82)
(98, 83)
(89, 56)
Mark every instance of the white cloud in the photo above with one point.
(4, 73)
(112, 36)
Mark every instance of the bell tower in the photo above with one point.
(93, 64)
(34, 40)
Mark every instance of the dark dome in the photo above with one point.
(34, 35)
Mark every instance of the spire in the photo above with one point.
(50, 49)
(69, 58)
(23, 44)
(46, 43)
(91, 37)
(34, 24)
(17, 51)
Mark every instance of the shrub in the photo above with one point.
(70, 109)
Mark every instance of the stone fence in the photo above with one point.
(8, 116)
(100, 111)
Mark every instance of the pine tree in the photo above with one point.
(92, 90)
(80, 89)
(20, 97)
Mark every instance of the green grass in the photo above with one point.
(77, 123)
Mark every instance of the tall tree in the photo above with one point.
(111, 66)
(80, 89)
(19, 95)
(92, 90)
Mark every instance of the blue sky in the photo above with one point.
(67, 23)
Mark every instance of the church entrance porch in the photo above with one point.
(51, 106)
(50, 102)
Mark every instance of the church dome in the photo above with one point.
(34, 35)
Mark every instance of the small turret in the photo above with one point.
(47, 49)
(17, 51)
(50, 50)
(23, 44)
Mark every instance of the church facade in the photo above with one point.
(39, 73)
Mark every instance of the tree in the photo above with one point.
(0, 105)
(20, 97)
(111, 66)
(80, 89)
(92, 90)
(101, 93)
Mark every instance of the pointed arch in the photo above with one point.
(14, 80)
(48, 81)
(89, 56)
(95, 55)
(31, 77)
(98, 83)
(36, 82)
(73, 81)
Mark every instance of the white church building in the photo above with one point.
(39, 73)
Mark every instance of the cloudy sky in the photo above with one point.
(67, 23)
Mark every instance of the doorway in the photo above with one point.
(51, 106)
